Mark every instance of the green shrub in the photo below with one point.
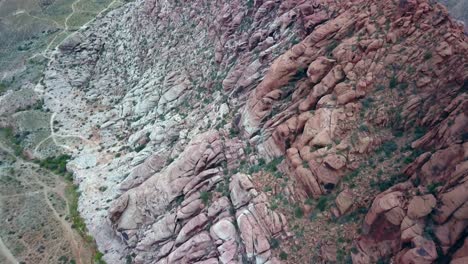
(298, 213)
(432, 187)
(428, 55)
(205, 197)
(322, 203)
(331, 47)
(140, 147)
(419, 132)
(56, 164)
(367, 102)
(350, 176)
(274, 243)
(98, 258)
(393, 82)
(283, 255)
(78, 223)
(364, 128)
(3, 88)
(386, 184)
(389, 148)
(272, 166)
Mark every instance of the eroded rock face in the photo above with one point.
(407, 217)
(184, 224)
(173, 100)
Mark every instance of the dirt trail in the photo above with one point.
(7, 253)
(54, 136)
(82, 254)
(71, 14)
(66, 27)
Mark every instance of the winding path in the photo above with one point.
(82, 255)
(44, 53)
(66, 27)
(7, 253)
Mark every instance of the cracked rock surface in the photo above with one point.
(268, 131)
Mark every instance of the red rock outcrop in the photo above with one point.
(263, 112)
(188, 221)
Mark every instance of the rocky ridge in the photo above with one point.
(184, 111)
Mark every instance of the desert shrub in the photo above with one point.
(274, 243)
(367, 102)
(56, 164)
(329, 49)
(432, 187)
(98, 258)
(428, 55)
(205, 197)
(322, 203)
(298, 213)
(78, 223)
(393, 82)
(3, 88)
(272, 166)
(283, 255)
(387, 183)
(388, 148)
(419, 132)
(140, 147)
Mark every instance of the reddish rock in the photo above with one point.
(420, 206)
(461, 255)
(319, 68)
(344, 201)
(192, 226)
(328, 252)
(451, 201)
(308, 181)
(335, 161)
(424, 252)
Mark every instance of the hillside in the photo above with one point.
(295, 131)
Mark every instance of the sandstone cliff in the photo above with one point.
(268, 131)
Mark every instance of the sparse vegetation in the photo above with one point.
(283, 255)
(298, 213)
(432, 187)
(384, 184)
(427, 55)
(98, 258)
(3, 88)
(329, 49)
(205, 197)
(56, 164)
(322, 203)
(140, 147)
(274, 243)
(13, 139)
(393, 82)
(419, 132)
(388, 148)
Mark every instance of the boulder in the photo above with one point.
(420, 206)
(319, 68)
(344, 201)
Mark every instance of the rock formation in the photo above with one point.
(189, 111)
